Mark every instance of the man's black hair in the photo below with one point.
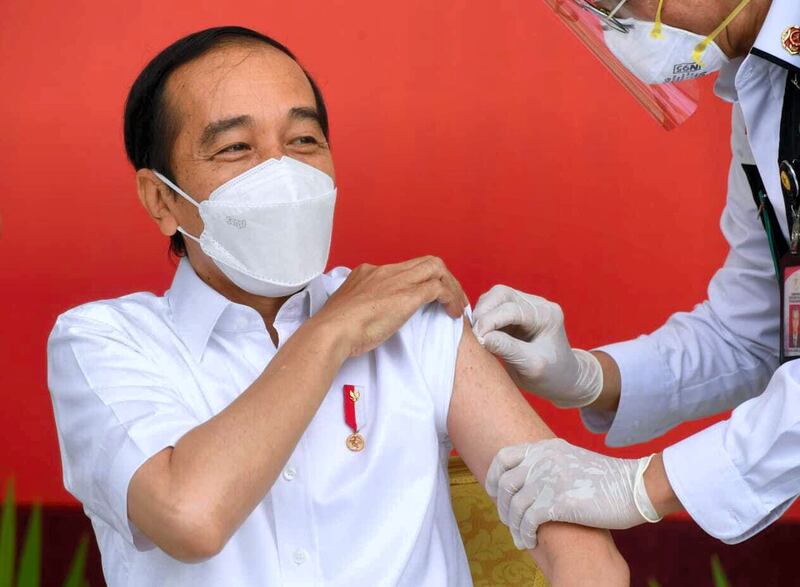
(149, 129)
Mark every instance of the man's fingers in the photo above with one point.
(456, 298)
(424, 268)
(432, 269)
(435, 290)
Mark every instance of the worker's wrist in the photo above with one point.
(589, 383)
(608, 399)
(658, 488)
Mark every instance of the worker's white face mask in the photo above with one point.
(268, 229)
(657, 53)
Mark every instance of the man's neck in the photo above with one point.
(267, 308)
(736, 39)
(741, 34)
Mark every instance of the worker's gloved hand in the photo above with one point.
(552, 480)
(527, 332)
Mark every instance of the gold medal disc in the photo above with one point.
(355, 442)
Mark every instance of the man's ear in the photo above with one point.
(156, 198)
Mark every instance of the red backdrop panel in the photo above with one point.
(482, 133)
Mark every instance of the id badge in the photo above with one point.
(790, 307)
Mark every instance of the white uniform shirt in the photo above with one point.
(737, 476)
(130, 376)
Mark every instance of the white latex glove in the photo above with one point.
(527, 332)
(552, 480)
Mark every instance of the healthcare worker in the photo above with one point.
(735, 349)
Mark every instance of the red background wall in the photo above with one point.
(480, 132)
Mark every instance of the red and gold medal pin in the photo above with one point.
(791, 40)
(354, 416)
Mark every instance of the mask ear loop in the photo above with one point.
(180, 192)
(175, 188)
(703, 45)
(656, 32)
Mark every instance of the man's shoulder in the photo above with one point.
(431, 315)
(115, 313)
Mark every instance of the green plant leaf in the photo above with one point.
(8, 531)
(720, 580)
(653, 583)
(30, 561)
(75, 576)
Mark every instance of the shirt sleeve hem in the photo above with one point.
(710, 487)
(444, 410)
(122, 470)
(647, 395)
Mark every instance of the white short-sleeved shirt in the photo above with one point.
(128, 377)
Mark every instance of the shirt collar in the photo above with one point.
(769, 44)
(198, 309)
(782, 14)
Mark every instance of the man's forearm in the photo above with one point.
(572, 555)
(487, 412)
(220, 470)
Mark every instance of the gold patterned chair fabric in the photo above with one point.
(493, 559)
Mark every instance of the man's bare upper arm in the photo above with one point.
(487, 411)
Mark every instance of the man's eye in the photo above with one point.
(235, 148)
(307, 140)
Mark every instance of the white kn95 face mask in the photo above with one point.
(268, 229)
(669, 56)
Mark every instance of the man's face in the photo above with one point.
(234, 108)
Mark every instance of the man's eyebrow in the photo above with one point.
(214, 129)
(305, 113)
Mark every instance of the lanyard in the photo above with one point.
(768, 228)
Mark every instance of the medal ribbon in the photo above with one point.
(351, 395)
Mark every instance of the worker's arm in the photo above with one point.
(708, 360)
(699, 363)
(190, 498)
(487, 413)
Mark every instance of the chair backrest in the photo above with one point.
(494, 561)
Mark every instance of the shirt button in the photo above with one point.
(300, 556)
(289, 473)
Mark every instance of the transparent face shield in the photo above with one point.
(667, 61)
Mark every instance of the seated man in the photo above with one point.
(267, 423)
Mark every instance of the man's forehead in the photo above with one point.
(232, 77)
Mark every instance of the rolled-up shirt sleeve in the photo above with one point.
(113, 411)
(738, 476)
(435, 346)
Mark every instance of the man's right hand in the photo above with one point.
(375, 301)
(527, 333)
